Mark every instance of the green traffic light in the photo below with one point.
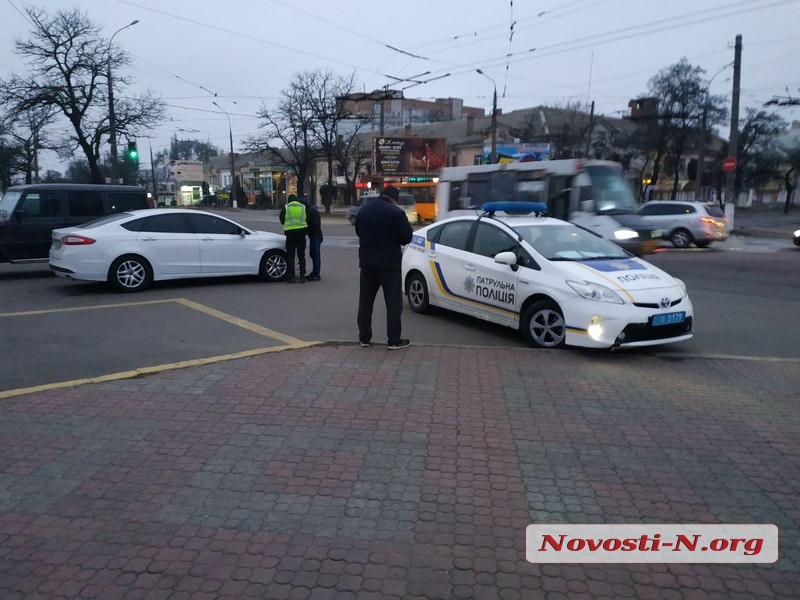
(133, 152)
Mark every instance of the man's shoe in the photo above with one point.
(301, 280)
(365, 344)
(312, 278)
(399, 344)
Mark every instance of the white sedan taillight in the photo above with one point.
(76, 240)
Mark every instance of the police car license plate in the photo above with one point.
(668, 318)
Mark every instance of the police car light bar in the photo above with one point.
(515, 208)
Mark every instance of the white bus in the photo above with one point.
(592, 194)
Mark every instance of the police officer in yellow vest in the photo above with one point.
(295, 226)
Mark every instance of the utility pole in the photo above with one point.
(493, 155)
(730, 192)
(589, 133)
(153, 176)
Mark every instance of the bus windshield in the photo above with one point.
(610, 191)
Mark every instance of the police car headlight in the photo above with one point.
(595, 291)
(681, 284)
(625, 234)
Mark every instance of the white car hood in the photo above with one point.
(633, 275)
(268, 236)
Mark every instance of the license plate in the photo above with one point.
(668, 318)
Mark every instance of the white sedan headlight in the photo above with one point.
(595, 291)
(625, 234)
(681, 284)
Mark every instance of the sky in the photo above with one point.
(243, 53)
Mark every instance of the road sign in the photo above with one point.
(729, 164)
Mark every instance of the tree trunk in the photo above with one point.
(787, 180)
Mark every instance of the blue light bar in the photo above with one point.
(515, 208)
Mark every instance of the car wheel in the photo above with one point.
(273, 266)
(417, 291)
(543, 325)
(680, 238)
(130, 273)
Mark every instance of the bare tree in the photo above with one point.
(326, 92)
(27, 132)
(292, 124)
(68, 60)
(353, 149)
(684, 104)
(759, 161)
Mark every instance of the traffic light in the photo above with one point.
(133, 153)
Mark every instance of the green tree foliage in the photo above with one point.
(68, 59)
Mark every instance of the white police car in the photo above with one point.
(558, 283)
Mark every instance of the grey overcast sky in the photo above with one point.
(242, 53)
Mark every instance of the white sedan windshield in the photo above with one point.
(568, 242)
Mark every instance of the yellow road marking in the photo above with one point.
(290, 343)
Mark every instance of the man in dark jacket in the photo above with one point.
(314, 238)
(383, 229)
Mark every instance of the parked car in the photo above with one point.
(404, 201)
(558, 283)
(130, 250)
(30, 213)
(687, 222)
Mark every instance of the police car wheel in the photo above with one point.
(417, 291)
(543, 325)
(273, 266)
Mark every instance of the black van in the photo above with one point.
(30, 213)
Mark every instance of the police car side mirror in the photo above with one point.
(506, 258)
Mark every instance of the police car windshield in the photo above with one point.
(569, 243)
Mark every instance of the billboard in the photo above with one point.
(408, 155)
(508, 153)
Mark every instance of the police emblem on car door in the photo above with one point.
(490, 288)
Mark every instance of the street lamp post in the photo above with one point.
(112, 118)
(233, 176)
(493, 155)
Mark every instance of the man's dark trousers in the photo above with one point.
(391, 282)
(295, 246)
(314, 243)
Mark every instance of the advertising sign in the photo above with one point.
(526, 152)
(183, 170)
(408, 156)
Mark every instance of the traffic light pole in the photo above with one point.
(112, 117)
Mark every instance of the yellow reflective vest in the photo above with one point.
(295, 217)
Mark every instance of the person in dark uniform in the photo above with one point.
(383, 229)
(314, 238)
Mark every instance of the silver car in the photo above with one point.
(685, 222)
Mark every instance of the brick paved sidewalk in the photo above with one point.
(342, 472)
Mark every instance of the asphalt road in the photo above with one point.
(746, 295)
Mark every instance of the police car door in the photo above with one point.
(490, 287)
(446, 258)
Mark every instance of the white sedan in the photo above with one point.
(130, 250)
(557, 283)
